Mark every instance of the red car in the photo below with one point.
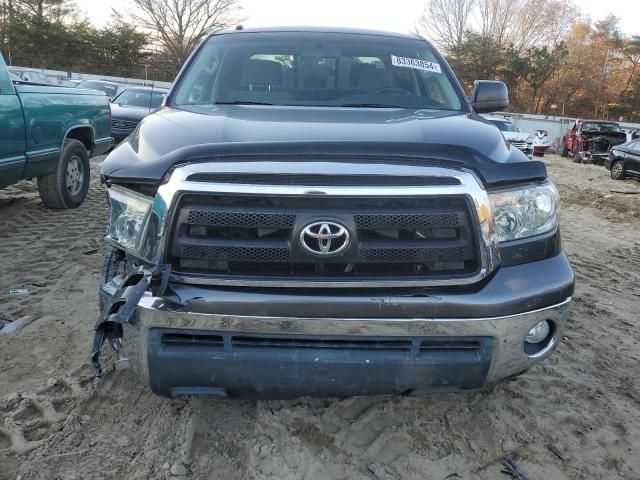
(589, 141)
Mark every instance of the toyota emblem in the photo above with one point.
(324, 238)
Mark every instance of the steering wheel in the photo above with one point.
(401, 91)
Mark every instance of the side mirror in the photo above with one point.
(489, 96)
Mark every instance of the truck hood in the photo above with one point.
(362, 135)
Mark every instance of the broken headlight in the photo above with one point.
(525, 212)
(129, 216)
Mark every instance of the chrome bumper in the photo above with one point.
(508, 332)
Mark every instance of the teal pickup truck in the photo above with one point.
(49, 133)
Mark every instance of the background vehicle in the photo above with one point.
(31, 75)
(520, 140)
(322, 212)
(49, 133)
(590, 140)
(111, 89)
(624, 160)
(130, 107)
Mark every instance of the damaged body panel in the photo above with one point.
(322, 212)
(589, 141)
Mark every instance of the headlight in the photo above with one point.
(525, 212)
(129, 214)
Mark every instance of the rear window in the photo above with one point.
(317, 69)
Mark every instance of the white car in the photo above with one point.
(520, 140)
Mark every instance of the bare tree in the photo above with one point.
(177, 26)
(541, 22)
(446, 21)
(497, 19)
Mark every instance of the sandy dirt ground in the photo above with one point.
(576, 416)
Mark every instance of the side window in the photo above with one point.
(201, 86)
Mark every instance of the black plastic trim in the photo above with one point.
(530, 249)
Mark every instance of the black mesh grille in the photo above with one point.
(240, 219)
(249, 254)
(115, 123)
(384, 255)
(370, 222)
(258, 237)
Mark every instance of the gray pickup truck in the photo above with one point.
(323, 212)
(49, 133)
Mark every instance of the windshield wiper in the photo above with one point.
(241, 102)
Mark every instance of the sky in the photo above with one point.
(396, 15)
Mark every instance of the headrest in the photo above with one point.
(315, 80)
(262, 72)
(372, 79)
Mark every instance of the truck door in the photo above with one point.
(12, 134)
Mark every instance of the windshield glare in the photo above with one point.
(139, 98)
(317, 69)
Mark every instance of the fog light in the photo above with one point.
(539, 332)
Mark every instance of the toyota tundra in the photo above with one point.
(323, 212)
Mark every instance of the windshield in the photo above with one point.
(317, 69)
(110, 90)
(505, 126)
(600, 127)
(140, 98)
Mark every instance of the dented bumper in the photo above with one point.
(266, 344)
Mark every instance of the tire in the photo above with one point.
(576, 157)
(114, 264)
(617, 170)
(68, 184)
(565, 151)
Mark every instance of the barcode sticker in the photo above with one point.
(415, 63)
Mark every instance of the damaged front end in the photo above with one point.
(134, 233)
(595, 146)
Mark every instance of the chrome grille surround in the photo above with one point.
(464, 183)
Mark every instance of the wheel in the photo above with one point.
(565, 151)
(114, 264)
(617, 170)
(68, 184)
(576, 157)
